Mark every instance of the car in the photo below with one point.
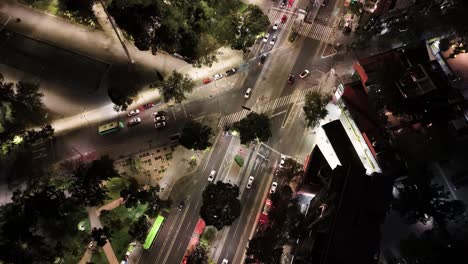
(266, 37)
(273, 187)
(275, 26)
(282, 5)
(249, 182)
(304, 74)
(290, 3)
(231, 71)
(206, 80)
(225, 261)
(262, 58)
(247, 93)
(159, 124)
(148, 106)
(159, 113)
(133, 112)
(134, 121)
(291, 78)
(325, 3)
(218, 76)
(181, 205)
(159, 118)
(266, 209)
(284, 19)
(282, 161)
(212, 176)
(273, 40)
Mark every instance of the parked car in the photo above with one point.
(290, 3)
(247, 93)
(231, 72)
(134, 121)
(225, 261)
(148, 106)
(133, 112)
(304, 74)
(282, 161)
(262, 58)
(159, 113)
(212, 176)
(266, 37)
(218, 76)
(273, 187)
(291, 78)
(275, 26)
(160, 124)
(206, 80)
(159, 118)
(249, 182)
(282, 5)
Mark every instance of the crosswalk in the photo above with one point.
(314, 31)
(266, 107)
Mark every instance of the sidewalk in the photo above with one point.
(96, 223)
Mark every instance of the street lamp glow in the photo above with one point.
(234, 133)
(17, 140)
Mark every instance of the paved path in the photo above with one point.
(96, 223)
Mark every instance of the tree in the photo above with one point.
(421, 203)
(264, 247)
(195, 136)
(209, 234)
(199, 255)
(220, 204)
(205, 52)
(132, 194)
(253, 127)
(154, 202)
(82, 6)
(175, 87)
(87, 183)
(314, 108)
(100, 235)
(291, 169)
(139, 229)
(356, 7)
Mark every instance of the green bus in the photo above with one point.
(154, 231)
(110, 127)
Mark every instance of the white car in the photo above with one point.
(247, 93)
(160, 124)
(225, 261)
(275, 26)
(218, 76)
(212, 176)
(304, 74)
(282, 161)
(133, 112)
(249, 182)
(266, 37)
(273, 40)
(134, 121)
(159, 118)
(273, 187)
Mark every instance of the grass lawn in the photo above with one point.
(115, 185)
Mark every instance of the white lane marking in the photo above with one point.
(279, 113)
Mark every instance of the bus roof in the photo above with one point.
(153, 232)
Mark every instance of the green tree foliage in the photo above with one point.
(81, 6)
(21, 107)
(175, 87)
(220, 204)
(253, 127)
(87, 183)
(356, 7)
(132, 194)
(195, 136)
(291, 169)
(101, 235)
(154, 202)
(264, 247)
(199, 255)
(139, 229)
(209, 234)
(421, 203)
(314, 108)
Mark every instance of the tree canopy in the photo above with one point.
(175, 87)
(291, 169)
(199, 255)
(87, 183)
(139, 229)
(253, 127)
(314, 108)
(195, 136)
(220, 204)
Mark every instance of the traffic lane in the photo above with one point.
(253, 200)
(128, 140)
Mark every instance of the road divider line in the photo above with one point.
(277, 114)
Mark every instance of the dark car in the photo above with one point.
(231, 72)
(181, 205)
(291, 79)
(160, 124)
(159, 113)
(262, 58)
(148, 106)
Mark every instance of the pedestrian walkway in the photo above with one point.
(266, 107)
(314, 31)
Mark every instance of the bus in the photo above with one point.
(154, 231)
(110, 127)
